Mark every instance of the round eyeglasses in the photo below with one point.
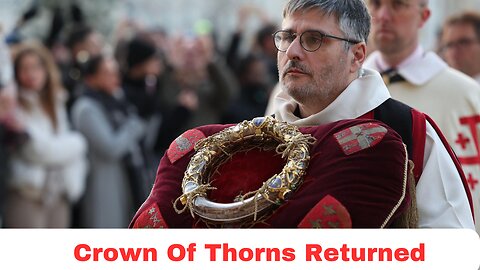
(311, 40)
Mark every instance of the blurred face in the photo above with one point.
(107, 76)
(153, 66)
(315, 79)
(32, 74)
(395, 24)
(461, 48)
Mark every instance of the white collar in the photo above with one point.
(362, 96)
(415, 56)
(418, 68)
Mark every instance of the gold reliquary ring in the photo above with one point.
(262, 133)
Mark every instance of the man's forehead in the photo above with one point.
(310, 20)
(460, 29)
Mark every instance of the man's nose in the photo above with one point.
(295, 50)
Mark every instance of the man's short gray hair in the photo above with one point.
(352, 15)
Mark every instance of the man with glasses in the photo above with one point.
(424, 81)
(322, 47)
(460, 43)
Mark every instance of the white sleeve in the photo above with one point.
(47, 149)
(441, 198)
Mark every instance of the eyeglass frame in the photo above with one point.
(323, 35)
(462, 42)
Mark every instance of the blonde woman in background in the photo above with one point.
(48, 172)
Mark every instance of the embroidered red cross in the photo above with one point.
(462, 141)
(471, 122)
(472, 181)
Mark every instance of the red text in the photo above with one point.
(84, 252)
(316, 252)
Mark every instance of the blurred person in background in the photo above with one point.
(267, 49)
(142, 74)
(253, 77)
(83, 43)
(117, 180)
(145, 78)
(256, 71)
(421, 79)
(262, 44)
(48, 172)
(460, 43)
(9, 130)
(199, 70)
(12, 132)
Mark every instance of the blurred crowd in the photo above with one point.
(85, 120)
(83, 126)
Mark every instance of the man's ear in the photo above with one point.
(425, 15)
(359, 52)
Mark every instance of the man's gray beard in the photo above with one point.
(301, 95)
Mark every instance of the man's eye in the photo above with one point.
(464, 42)
(285, 37)
(311, 40)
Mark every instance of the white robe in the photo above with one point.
(451, 98)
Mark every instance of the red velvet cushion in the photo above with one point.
(245, 172)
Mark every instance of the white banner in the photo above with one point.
(234, 249)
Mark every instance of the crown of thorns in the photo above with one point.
(264, 133)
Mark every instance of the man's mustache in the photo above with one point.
(295, 65)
